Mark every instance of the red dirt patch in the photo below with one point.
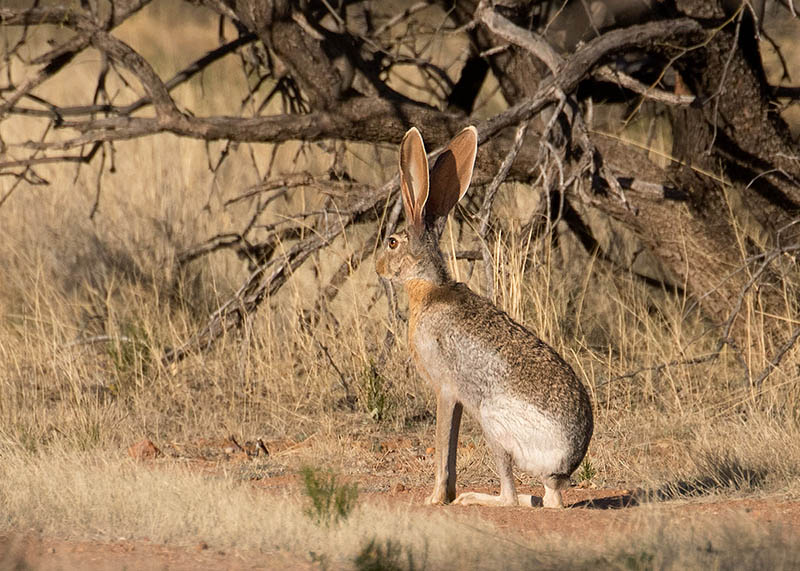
(29, 552)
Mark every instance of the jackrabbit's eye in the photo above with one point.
(393, 243)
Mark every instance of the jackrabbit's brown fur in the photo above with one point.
(533, 409)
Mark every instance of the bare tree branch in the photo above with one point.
(488, 201)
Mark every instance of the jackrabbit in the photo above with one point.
(533, 409)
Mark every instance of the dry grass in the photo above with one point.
(679, 430)
(68, 494)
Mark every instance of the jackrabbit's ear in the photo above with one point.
(452, 173)
(414, 177)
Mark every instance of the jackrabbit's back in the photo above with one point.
(516, 384)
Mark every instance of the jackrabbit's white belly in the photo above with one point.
(535, 441)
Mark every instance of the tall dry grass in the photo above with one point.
(87, 306)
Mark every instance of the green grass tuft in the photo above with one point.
(378, 402)
(386, 556)
(331, 501)
(586, 472)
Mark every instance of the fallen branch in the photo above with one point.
(658, 368)
(776, 359)
(261, 284)
(267, 279)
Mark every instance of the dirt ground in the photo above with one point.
(595, 512)
(590, 511)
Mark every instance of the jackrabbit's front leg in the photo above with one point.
(448, 421)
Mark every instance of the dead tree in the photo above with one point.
(697, 61)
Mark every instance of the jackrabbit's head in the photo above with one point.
(428, 197)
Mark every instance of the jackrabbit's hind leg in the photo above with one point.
(508, 493)
(553, 485)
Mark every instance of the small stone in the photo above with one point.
(202, 546)
(144, 450)
(398, 488)
(430, 450)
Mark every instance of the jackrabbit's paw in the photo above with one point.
(467, 499)
(478, 499)
(436, 499)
